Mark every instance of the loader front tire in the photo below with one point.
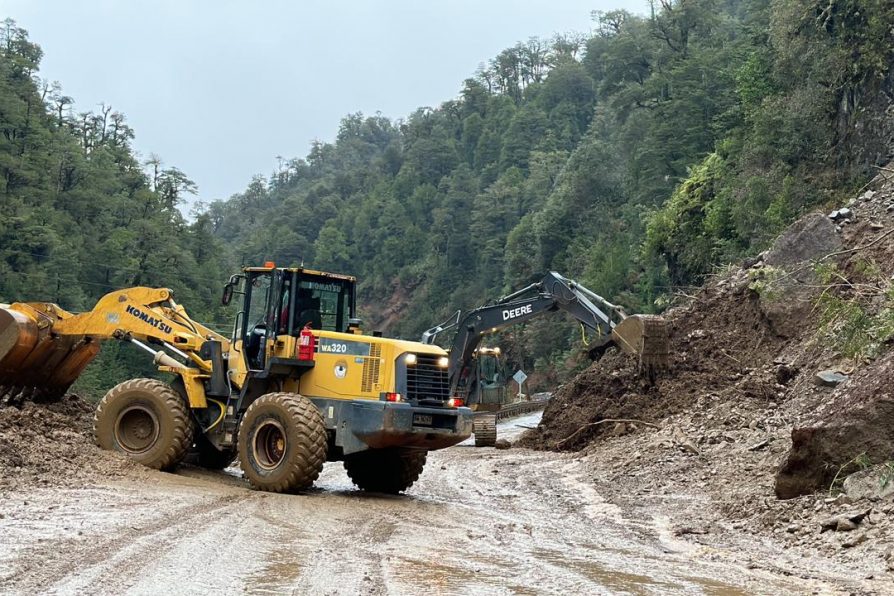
(282, 443)
(390, 471)
(146, 420)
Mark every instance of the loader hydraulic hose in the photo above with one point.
(223, 411)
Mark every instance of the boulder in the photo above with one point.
(845, 522)
(829, 378)
(872, 483)
(792, 295)
(808, 239)
(854, 421)
(841, 214)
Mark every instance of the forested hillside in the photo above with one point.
(635, 160)
(81, 216)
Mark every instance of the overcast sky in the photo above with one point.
(219, 88)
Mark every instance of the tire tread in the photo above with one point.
(310, 454)
(171, 401)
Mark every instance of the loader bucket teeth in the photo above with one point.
(34, 362)
(645, 336)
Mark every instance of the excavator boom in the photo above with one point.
(644, 336)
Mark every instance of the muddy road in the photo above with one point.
(479, 521)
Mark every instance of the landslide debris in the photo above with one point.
(51, 444)
(736, 340)
(805, 327)
(780, 388)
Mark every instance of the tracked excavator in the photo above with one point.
(471, 366)
(296, 384)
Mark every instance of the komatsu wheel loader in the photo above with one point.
(297, 384)
(644, 336)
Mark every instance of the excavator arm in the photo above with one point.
(44, 348)
(641, 335)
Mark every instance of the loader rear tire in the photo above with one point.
(390, 471)
(485, 429)
(282, 443)
(146, 420)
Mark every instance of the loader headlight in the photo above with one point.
(443, 361)
(410, 359)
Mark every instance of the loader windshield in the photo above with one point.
(324, 303)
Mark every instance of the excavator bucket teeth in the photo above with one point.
(647, 337)
(34, 362)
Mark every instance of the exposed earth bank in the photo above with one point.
(776, 417)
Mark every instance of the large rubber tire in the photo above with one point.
(210, 457)
(282, 443)
(147, 420)
(485, 429)
(389, 471)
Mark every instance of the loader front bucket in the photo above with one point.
(645, 336)
(36, 363)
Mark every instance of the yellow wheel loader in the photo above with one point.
(475, 372)
(297, 384)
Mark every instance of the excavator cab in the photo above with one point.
(486, 385)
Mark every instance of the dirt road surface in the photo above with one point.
(479, 521)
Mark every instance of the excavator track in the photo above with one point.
(484, 427)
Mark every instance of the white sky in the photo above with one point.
(219, 88)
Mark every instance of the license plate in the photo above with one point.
(422, 419)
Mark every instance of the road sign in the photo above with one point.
(519, 377)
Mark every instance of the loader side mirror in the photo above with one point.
(227, 294)
(230, 289)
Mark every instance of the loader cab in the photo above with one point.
(280, 302)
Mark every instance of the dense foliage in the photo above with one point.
(635, 160)
(81, 216)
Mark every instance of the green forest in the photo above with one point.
(636, 159)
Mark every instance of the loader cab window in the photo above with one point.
(257, 296)
(324, 303)
(282, 311)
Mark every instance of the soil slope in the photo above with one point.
(741, 418)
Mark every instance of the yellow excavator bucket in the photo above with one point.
(647, 337)
(35, 362)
